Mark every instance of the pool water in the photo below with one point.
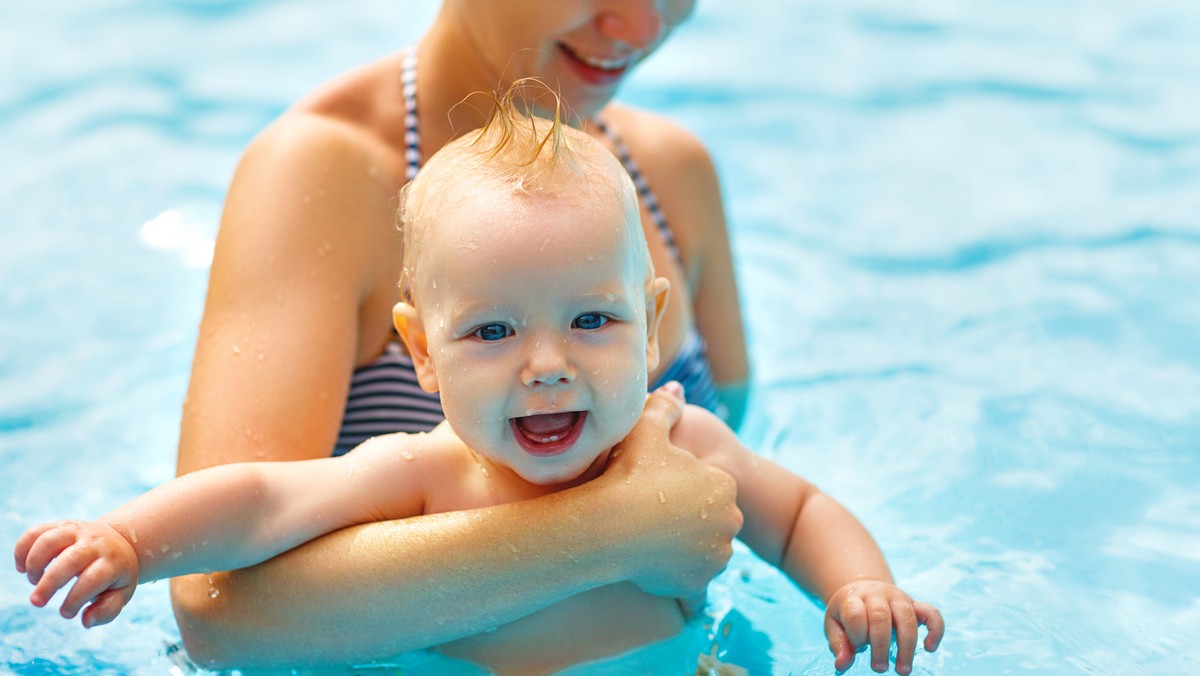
(968, 241)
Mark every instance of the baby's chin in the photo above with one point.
(565, 477)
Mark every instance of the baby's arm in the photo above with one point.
(821, 546)
(221, 518)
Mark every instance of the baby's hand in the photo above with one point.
(104, 561)
(865, 613)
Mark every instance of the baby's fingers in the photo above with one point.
(43, 544)
(106, 607)
(839, 644)
(849, 616)
(96, 579)
(25, 543)
(879, 615)
(932, 619)
(58, 573)
(904, 619)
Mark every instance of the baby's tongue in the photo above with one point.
(548, 424)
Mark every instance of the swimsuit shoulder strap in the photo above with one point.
(643, 187)
(412, 138)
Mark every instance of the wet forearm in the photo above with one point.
(830, 548)
(373, 591)
(186, 525)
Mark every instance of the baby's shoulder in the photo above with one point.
(439, 446)
(703, 434)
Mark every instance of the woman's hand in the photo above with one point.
(866, 613)
(51, 554)
(681, 513)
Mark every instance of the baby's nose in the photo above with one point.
(548, 365)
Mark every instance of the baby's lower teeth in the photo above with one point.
(546, 440)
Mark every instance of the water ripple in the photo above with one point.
(889, 374)
(980, 254)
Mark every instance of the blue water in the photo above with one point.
(968, 239)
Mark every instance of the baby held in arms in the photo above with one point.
(530, 303)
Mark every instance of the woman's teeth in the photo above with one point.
(601, 63)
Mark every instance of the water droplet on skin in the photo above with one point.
(514, 548)
(703, 514)
(237, 350)
(213, 592)
(164, 548)
(133, 535)
(662, 498)
(407, 455)
(176, 555)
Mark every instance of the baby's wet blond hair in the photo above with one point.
(522, 154)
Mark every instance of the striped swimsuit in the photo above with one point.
(384, 394)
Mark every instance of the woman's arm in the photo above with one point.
(376, 590)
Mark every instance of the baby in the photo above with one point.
(529, 301)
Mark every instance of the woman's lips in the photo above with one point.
(596, 70)
(549, 433)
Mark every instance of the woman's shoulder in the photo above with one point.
(652, 137)
(356, 115)
(337, 141)
(679, 169)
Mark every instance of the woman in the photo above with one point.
(296, 355)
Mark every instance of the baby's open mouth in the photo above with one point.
(548, 433)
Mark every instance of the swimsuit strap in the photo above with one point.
(643, 188)
(412, 139)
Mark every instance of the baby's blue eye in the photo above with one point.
(589, 321)
(493, 332)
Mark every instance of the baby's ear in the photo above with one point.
(656, 304)
(412, 332)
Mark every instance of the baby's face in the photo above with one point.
(536, 320)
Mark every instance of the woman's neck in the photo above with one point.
(449, 70)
